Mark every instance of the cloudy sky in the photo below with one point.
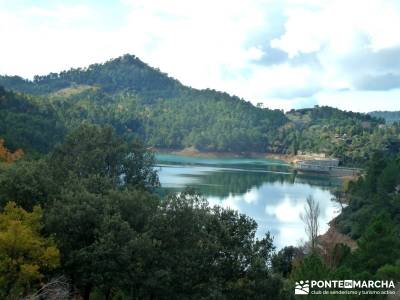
(283, 53)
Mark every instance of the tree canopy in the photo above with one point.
(25, 255)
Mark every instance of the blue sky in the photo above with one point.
(283, 53)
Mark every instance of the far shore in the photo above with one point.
(210, 154)
(289, 159)
(193, 152)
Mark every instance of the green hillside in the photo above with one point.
(141, 102)
(29, 123)
(352, 137)
(123, 73)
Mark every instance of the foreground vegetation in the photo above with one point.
(372, 219)
(88, 213)
(90, 209)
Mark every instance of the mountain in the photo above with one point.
(389, 116)
(123, 73)
(141, 102)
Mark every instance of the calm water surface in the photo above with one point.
(265, 190)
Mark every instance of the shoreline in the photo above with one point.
(192, 152)
(332, 237)
(289, 159)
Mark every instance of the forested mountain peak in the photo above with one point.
(129, 95)
(123, 73)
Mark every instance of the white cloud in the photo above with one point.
(60, 13)
(219, 44)
(286, 211)
(337, 26)
(193, 40)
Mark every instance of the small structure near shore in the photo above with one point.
(317, 165)
(328, 166)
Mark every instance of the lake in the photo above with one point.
(265, 190)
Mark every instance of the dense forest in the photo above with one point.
(141, 102)
(27, 122)
(351, 137)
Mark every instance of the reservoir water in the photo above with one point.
(265, 190)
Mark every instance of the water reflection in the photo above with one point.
(265, 190)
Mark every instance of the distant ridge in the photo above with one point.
(123, 73)
(389, 116)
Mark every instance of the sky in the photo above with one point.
(282, 53)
